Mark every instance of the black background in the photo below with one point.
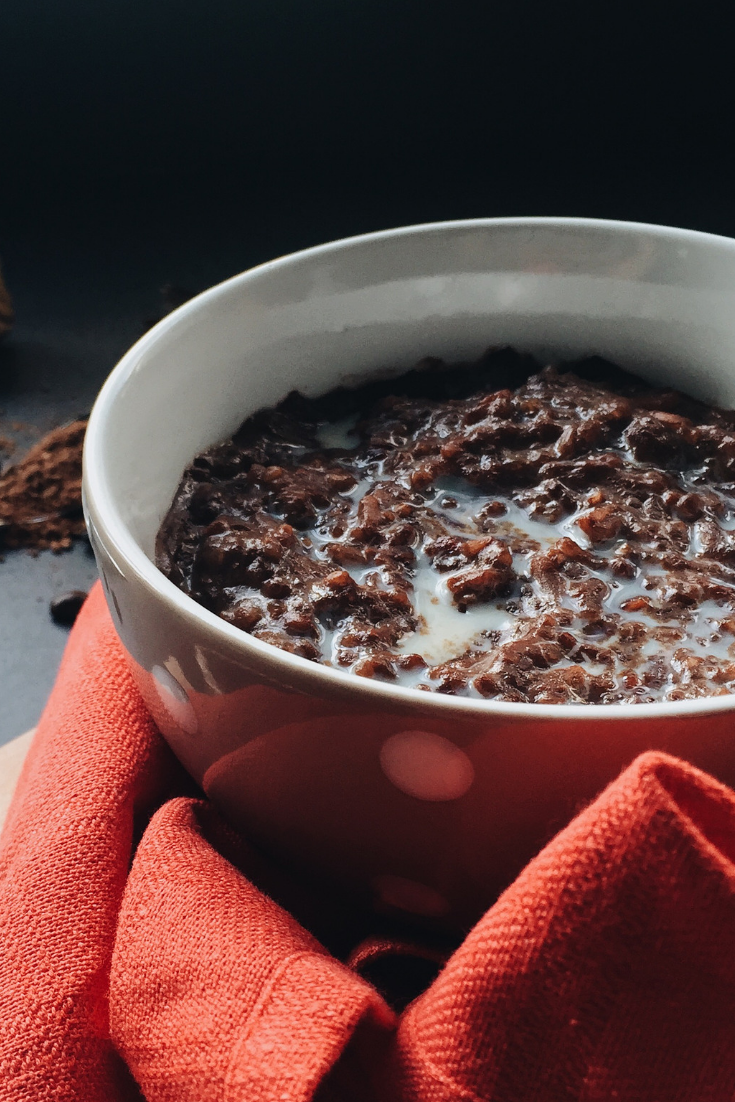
(172, 133)
(146, 141)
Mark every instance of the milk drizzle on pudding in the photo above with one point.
(563, 541)
(444, 632)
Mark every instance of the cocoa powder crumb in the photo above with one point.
(66, 607)
(41, 496)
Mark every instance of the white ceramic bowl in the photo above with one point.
(426, 803)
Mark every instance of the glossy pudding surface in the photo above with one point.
(505, 530)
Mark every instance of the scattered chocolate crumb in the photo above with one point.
(7, 446)
(41, 496)
(65, 608)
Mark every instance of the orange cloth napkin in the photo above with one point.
(140, 957)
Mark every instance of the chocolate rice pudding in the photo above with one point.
(555, 536)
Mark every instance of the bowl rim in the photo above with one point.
(119, 542)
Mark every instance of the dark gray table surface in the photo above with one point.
(75, 318)
(50, 371)
(79, 306)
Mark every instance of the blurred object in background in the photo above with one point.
(6, 309)
(171, 296)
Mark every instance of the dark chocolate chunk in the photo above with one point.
(65, 608)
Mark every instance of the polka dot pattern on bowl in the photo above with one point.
(175, 700)
(426, 766)
(410, 895)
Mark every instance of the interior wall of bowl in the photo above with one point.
(659, 302)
